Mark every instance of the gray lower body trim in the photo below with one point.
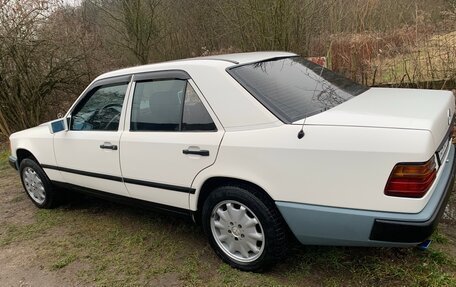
(323, 225)
(13, 162)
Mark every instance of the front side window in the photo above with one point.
(168, 105)
(294, 88)
(100, 110)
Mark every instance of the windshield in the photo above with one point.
(294, 88)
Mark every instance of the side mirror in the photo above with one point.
(58, 126)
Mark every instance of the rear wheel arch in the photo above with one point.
(218, 193)
(214, 182)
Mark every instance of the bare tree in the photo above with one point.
(133, 25)
(31, 68)
(49, 50)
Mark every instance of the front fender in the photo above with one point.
(40, 143)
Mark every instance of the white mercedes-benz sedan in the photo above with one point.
(258, 148)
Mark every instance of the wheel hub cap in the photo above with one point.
(237, 231)
(34, 185)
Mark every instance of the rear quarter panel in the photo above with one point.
(331, 166)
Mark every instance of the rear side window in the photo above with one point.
(157, 105)
(294, 88)
(168, 105)
(195, 116)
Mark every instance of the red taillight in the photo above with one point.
(411, 179)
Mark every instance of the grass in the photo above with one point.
(123, 246)
(106, 244)
(4, 159)
(63, 261)
(17, 233)
(439, 237)
(431, 60)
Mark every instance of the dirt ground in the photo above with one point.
(90, 242)
(18, 260)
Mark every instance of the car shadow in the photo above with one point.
(300, 258)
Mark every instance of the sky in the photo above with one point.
(72, 2)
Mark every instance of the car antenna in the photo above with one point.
(301, 131)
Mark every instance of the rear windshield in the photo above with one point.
(294, 88)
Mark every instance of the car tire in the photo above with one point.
(244, 227)
(37, 185)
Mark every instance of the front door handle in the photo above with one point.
(108, 146)
(198, 152)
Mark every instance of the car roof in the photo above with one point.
(244, 58)
(223, 61)
(219, 89)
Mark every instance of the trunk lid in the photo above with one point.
(430, 110)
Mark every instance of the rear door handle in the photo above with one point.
(198, 152)
(108, 146)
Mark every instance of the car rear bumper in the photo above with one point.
(321, 225)
(412, 231)
(13, 162)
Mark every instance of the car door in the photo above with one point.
(171, 134)
(88, 153)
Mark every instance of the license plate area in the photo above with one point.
(443, 151)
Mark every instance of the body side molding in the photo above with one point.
(126, 180)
